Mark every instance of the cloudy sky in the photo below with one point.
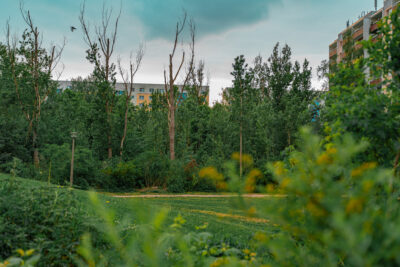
(225, 29)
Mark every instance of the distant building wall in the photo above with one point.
(142, 91)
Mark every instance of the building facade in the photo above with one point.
(142, 92)
(364, 28)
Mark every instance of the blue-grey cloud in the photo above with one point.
(211, 16)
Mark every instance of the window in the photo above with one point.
(141, 97)
(141, 90)
(150, 97)
(151, 90)
(132, 97)
(162, 91)
(141, 105)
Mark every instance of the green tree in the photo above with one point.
(30, 68)
(240, 97)
(101, 48)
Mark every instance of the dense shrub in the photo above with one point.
(120, 175)
(177, 181)
(336, 210)
(152, 168)
(56, 164)
(46, 219)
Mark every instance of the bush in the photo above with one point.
(153, 168)
(336, 211)
(177, 181)
(56, 164)
(121, 175)
(45, 219)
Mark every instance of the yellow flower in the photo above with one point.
(253, 254)
(270, 188)
(293, 161)
(285, 182)
(355, 205)
(251, 212)
(20, 252)
(30, 252)
(202, 227)
(247, 160)
(324, 158)
(364, 167)
(260, 237)
(107, 201)
(315, 210)
(246, 251)
(222, 185)
(331, 151)
(367, 185)
(250, 184)
(279, 168)
(212, 173)
(220, 262)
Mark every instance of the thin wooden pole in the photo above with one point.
(71, 176)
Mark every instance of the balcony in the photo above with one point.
(357, 34)
(332, 52)
(374, 28)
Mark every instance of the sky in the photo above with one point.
(225, 30)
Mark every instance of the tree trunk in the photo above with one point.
(35, 149)
(109, 147)
(71, 175)
(241, 149)
(171, 121)
(125, 127)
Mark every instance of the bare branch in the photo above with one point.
(85, 26)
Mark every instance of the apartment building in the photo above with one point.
(364, 28)
(142, 92)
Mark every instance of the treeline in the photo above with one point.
(125, 147)
(266, 105)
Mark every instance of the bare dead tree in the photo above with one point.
(39, 64)
(171, 77)
(127, 78)
(198, 82)
(101, 48)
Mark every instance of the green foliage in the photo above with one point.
(25, 258)
(122, 175)
(364, 97)
(152, 168)
(45, 219)
(336, 211)
(155, 242)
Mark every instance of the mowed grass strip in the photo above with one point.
(224, 219)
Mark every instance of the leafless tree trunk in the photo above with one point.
(198, 82)
(38, 62)
(170, 79)
(127, 78)
(102, 45)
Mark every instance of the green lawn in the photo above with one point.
(225, 221)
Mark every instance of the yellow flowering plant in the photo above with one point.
(336, 211)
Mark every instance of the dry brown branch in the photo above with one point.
(172, 76)
(103, 39)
